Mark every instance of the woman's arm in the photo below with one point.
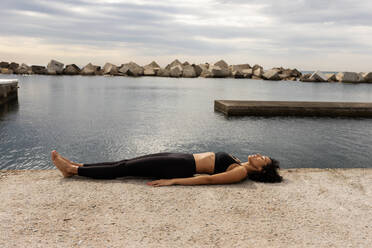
(232, 176)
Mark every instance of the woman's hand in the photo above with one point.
(161, 182)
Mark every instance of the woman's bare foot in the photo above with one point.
(66, 168)
(68, 161)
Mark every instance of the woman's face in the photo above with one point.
(258, 161)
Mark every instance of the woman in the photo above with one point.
(178, 168)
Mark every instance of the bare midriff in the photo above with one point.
(204, 163)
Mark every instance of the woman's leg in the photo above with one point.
(68, 169)
(125, 160)
(103, 163)
(168, 165)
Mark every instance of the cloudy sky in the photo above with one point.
(306, 34)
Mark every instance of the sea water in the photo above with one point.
(95, 119)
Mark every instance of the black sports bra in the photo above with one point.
(222, 161)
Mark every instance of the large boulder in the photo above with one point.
(306, 77)
(151, 69)
(198, 69)
(162, 72)
(149, 72)
(318, 76)
(331, 77)
(258, 72)
(290, 79)
(239, 67)
(361, 77)
(4, 65)
(110, 69)
(38, 69)
(292, 72)
(23, 69)
(99, 72)
(174, 63)
(255, 77)
(247, 73)
(236, 71)
(131, 69)
(256, 66)
(152, 65)
(6, 71)
(185, 63)
(90, 70)
(284, 76)
(71, 69)
(222, 64)
(123, 70)
(188, 71)
(272, 74)
(279, 69)
(218, 72)
(176, 71)
(13, 66)
(206, 73)
(349, 77)
(204, 66)
(54, 67)
(288, 74)
(237, 74)
(367, 77)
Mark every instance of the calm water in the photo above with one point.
(90, 119)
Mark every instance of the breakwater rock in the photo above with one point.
(71, 70)
(55, 68)
(177, 69)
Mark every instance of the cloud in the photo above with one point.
(273, 33)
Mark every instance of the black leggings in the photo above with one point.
(157, 165)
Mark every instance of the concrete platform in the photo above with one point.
(8, 90)
(293, 108)
(311, 208)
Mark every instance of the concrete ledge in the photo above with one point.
(8, 90)
(311, 208)
(293, 108)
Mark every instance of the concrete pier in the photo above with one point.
(8, 90)
(310, 208)
(293, 108)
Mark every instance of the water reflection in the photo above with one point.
(8, 108)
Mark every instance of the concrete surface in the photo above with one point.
(311, 208)
(293, 108)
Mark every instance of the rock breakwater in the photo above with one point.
(176, 69)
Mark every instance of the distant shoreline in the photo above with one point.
(176, 69)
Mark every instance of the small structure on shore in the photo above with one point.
(293, 108)
(8, 90)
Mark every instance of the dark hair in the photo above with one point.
(269, 173)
